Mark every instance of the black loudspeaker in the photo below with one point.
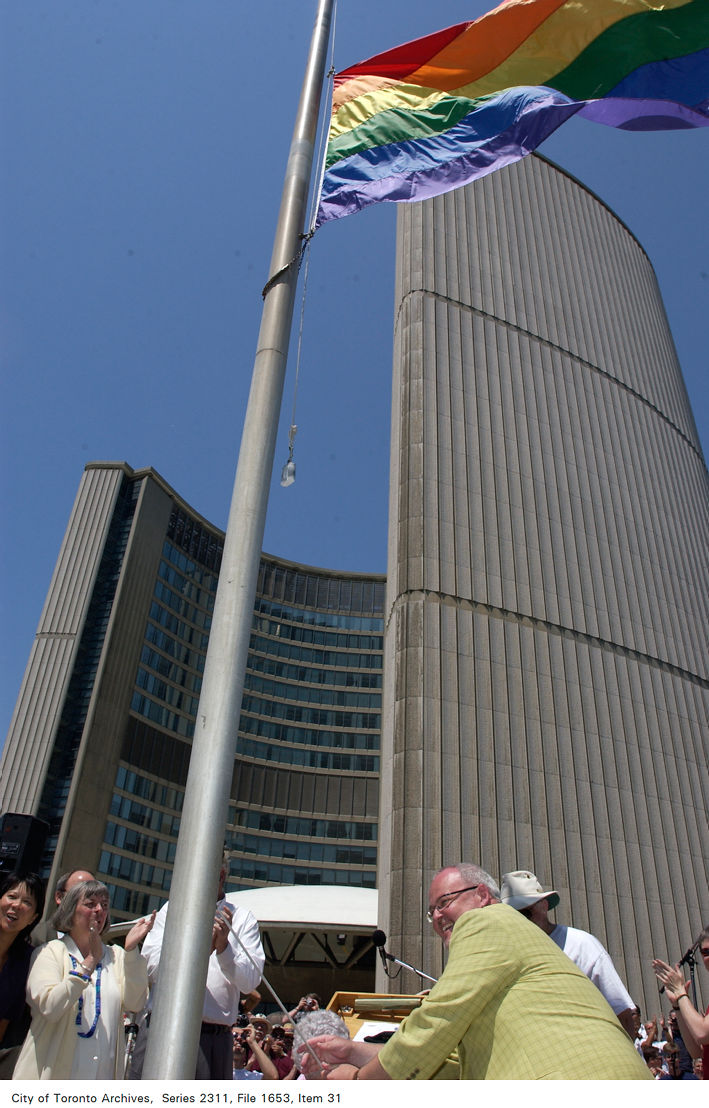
(22, 840)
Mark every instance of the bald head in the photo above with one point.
(68, 880)
(456, 890)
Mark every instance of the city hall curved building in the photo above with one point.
(100, 742)
(542, 641)
(546, 646)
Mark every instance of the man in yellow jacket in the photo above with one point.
(511, 1003)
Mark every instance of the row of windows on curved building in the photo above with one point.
(144, 568)
(305, 789)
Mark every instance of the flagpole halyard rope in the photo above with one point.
(304, 252)
(324, 130)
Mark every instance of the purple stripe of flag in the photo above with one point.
(502, 130)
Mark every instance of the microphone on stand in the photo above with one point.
(688, 958)
(379, 939)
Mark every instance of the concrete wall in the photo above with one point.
(94, 775)
(30, 739)
(545, 655)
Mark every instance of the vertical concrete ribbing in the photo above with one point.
(545, 590)
(41, 698)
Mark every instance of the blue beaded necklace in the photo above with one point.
(80, 1011)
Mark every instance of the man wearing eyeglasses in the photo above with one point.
(512, 1005)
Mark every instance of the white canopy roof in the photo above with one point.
(301, 908)
(311, 907)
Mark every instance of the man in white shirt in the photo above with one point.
(231, 972)
(522, 890)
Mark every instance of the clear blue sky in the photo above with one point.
(144, 143)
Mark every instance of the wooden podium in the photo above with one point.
(358, 1009)
(383, 1012)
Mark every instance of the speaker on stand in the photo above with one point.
(22, 840)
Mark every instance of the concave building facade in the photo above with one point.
(542, 643)
(100, 740)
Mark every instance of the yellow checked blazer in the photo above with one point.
(516, 1008)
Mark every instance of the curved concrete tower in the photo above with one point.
(546, 642)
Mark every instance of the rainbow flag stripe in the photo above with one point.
(436, 113)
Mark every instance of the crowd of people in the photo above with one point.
(270, 1047)
(521, 997)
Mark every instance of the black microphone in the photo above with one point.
(688, 958)
(379, 939)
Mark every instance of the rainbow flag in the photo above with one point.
(436, 113)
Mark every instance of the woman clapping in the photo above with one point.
(78, 990)
(693, 1026)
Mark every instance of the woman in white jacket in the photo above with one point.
(78, 990)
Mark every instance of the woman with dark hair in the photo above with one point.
(21, 903)
(78, 990)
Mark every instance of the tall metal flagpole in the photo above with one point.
(175, 1023)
